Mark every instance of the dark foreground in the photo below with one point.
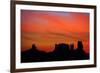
(62, 52)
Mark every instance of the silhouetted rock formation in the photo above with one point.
(72, 51)
(80, 53)
(61, 52)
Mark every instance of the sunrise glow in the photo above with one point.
(47, 28)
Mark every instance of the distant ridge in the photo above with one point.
(61, 52)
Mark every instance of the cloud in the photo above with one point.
(55, 35)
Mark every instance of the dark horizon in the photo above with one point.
(61, 52)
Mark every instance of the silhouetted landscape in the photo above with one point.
(62, 52)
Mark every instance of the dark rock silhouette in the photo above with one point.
(72, 51)
(61, 52)
(80, 53)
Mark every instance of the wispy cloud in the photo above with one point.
(55, 35)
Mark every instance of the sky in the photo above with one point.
(47, 28)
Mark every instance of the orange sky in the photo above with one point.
(47, 28)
